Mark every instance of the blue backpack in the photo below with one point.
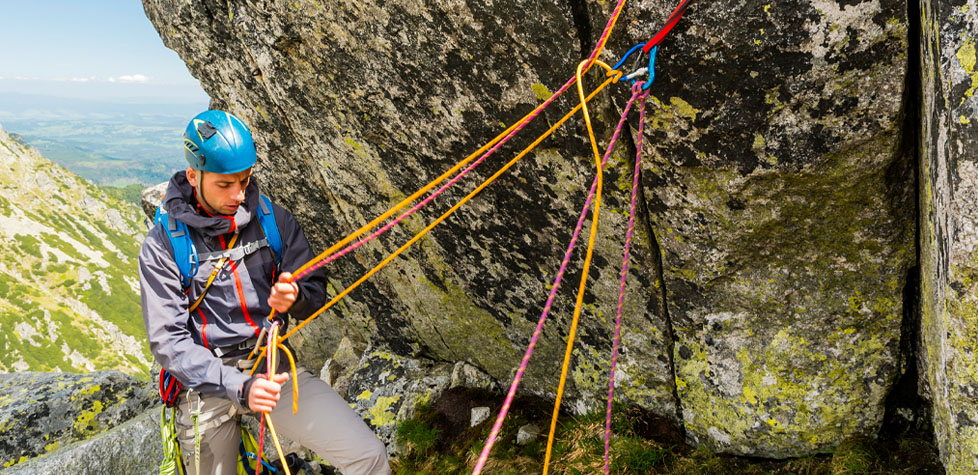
(185, 252)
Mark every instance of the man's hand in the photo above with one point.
(284, 293)
(264, 394)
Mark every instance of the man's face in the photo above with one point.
(222, 194)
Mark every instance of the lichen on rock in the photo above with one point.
(949, 229)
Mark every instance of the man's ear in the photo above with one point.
(192, 177)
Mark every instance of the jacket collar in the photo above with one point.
(181, 204)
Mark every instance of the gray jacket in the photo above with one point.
(235, 307)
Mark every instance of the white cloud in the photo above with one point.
(90, 78)
(130, 79)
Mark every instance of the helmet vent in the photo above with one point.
(206, 130)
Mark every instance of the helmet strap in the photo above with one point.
(200, 193)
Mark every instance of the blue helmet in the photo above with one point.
(218, 142)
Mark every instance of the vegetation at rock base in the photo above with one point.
(438, 439)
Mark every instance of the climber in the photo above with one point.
(202, 326)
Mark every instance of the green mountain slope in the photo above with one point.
(69, 292)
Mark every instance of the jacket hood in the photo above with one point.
(181, 204)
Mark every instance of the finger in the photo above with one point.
(279, 306)
(281, 378)
(268, 387)
(286, 289)
(285, 277)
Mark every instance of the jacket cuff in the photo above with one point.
(239, 394)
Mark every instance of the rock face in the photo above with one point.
(42, 412)
(341, 142)
(949, 228)
(782, 200)
(775, 186)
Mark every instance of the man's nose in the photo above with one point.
(240, 195)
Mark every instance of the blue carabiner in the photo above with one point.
(651, 67)
(629, 53)
(633, 77)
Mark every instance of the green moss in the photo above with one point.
(541, 91)
(417, 437)
(795, 263)
(854, 456)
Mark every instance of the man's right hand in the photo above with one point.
(264, 394)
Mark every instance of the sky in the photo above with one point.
(89, 49)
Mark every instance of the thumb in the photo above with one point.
(281, 378)
(285, 277)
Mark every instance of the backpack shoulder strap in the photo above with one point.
(266, 215)
(184, 251)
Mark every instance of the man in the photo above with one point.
(218, 201)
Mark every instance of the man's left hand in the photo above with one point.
(284, 293)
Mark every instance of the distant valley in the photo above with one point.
(112, 144)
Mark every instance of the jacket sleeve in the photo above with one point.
(295, 253)
(165, 316)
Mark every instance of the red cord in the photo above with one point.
(670, 23)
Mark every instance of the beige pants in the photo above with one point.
(324, 423)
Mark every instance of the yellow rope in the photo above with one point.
(583, 66)
(587, 265)
(261, 355)
(295, 379)
(448, 213)
(613, 76)
(278, 446)
(272, 367)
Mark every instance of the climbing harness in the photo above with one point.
(640, 80)
(188, 261)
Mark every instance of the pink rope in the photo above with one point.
(637, 91)
(497, 426)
